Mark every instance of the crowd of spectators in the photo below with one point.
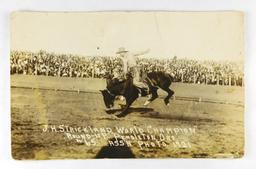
(182, 70)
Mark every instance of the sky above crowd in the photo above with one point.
(200, 35)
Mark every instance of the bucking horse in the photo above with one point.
(126, 88)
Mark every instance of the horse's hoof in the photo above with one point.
(120, 115)
(108, 109)
(146, 103)
(109, 112)
(167, 103)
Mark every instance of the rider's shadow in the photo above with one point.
(131, 110)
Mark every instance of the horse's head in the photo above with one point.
(108, 98)
(108, 75)
(109, 78)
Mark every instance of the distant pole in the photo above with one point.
(182, 76)
(92, 72)
(218, 80)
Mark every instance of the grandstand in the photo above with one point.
(183, 70)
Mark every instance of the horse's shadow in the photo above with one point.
(140, 110)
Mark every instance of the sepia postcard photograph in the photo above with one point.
(89, 85)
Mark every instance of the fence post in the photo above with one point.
(92, 73)
(194, 78)
(182, 77)
(229, 80)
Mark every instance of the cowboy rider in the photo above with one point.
(129, 64)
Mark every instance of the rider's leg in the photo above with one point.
(127, 84)
(137, 80)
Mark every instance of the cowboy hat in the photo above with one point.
(121, 50)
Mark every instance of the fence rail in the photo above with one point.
(182, 98)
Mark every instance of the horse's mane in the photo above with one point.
(112, 83)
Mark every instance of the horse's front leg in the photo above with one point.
(128, 104)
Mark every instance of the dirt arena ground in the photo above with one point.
(206, 121)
